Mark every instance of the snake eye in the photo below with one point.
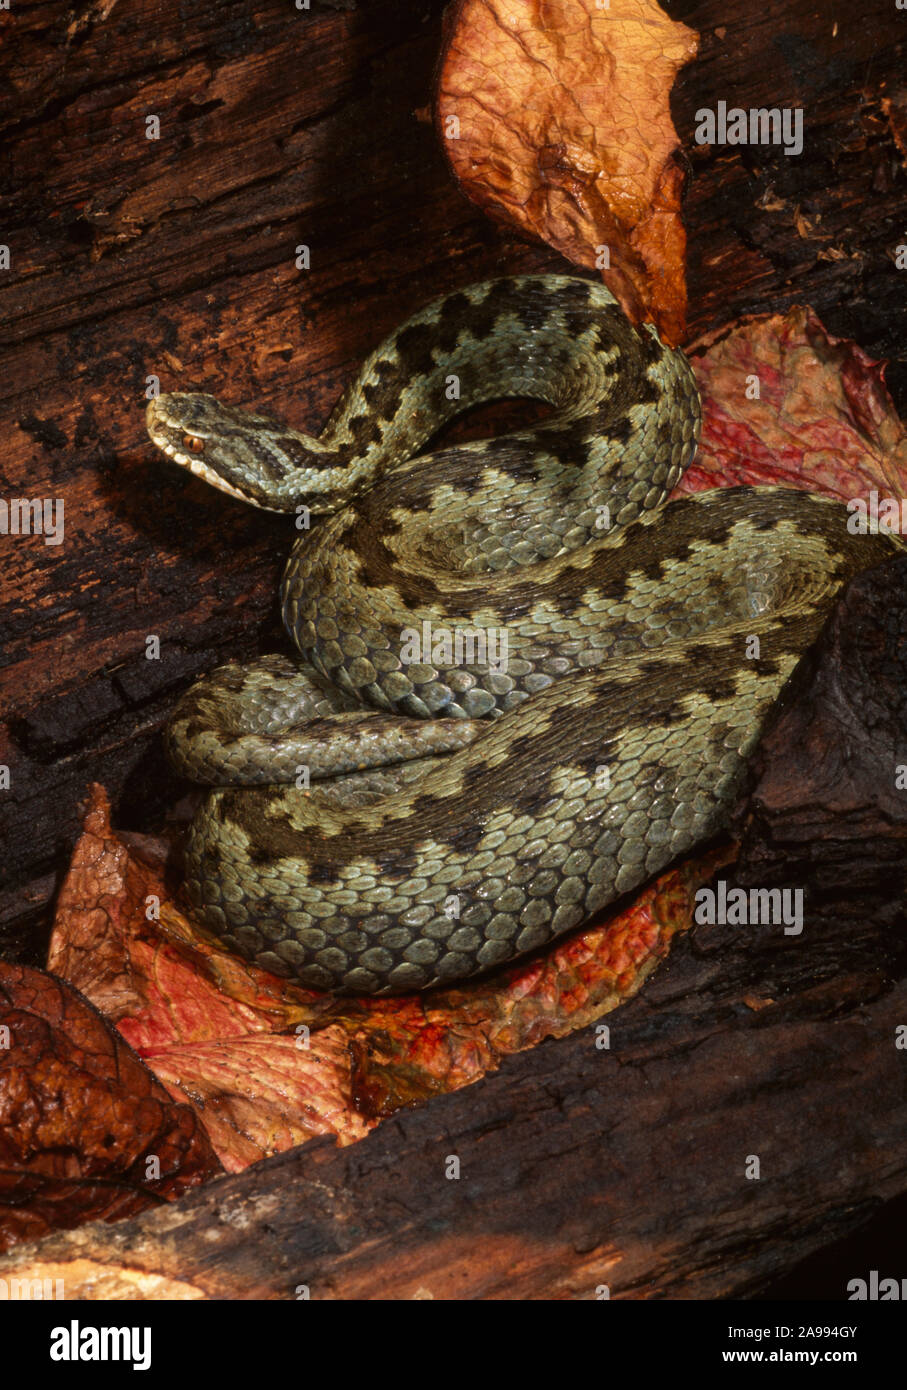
(193, 443)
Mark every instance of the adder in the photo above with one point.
(379, 823)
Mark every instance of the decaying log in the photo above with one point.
(131, 256)
(579, 1166)
(829, 808)
(745, 1110)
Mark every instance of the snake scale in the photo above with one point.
(402, 806)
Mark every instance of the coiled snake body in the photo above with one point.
(526, 684)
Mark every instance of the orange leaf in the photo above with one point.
(556, 119)
(202, 1019)
(119, 939)
(411, 1048)
(266, 1094)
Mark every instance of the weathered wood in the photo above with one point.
(578, 1166)
(176, 257)
(767, 230)
(828, 809)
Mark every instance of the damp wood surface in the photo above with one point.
(742, 1115)
(176, 257)
(579, 1167)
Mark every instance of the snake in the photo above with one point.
(524, 678)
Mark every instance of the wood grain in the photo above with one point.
(176, 257)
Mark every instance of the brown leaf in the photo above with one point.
(86, 947)
(556, 119)
(81, 1118)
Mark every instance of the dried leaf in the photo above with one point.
(119, 939)
(202, 1019)
(823, 419)
(262, 1095)
(556, 119)
(84, 1126)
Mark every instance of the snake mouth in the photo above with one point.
(163, 431)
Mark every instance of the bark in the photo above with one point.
(578, 1167)
(176, 257)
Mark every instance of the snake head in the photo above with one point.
(252, 457)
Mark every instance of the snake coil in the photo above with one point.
(525, 683)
